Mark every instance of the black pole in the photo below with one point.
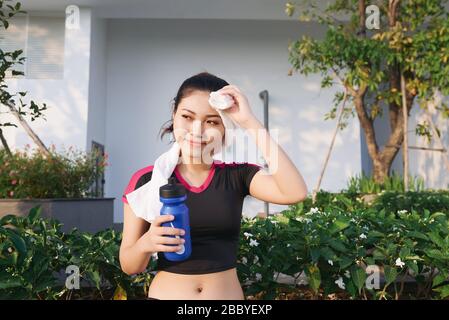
(264, 96)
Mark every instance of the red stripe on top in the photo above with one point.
(132, 183)
(201, 187)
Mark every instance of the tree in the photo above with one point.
(13, 101)
(412, 42)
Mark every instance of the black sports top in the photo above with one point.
(215, 212)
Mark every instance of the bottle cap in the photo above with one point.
(172, 189)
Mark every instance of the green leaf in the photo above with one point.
(34, 214)
(18, 242)
(94, 276)
(358, 276)
(444, 291)
(439, 279)
(338, 245)
(390, 274)
(338, 226)
(10, 283)
(314, 277)
(315, 254)
(417, 235)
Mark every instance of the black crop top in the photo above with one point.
(215, 212)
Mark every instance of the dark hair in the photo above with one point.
(203, 81)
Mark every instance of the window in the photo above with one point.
(42, 41)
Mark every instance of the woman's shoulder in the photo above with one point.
(138, 179)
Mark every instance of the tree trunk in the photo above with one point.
(5, 143)
(27, 128)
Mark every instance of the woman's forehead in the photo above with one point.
(197, 102)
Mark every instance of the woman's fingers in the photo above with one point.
(169, 240)
(169, 231)
(161, 219)
(163, 248)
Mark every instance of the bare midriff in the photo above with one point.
(223, 285)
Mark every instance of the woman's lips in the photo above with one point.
(196, 143)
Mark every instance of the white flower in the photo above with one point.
(274, 222)
(340, 283)
(253, 243)
(399, 263)
(298, 258)
(288, 245)
(347, 274)
(256, 259)
(244, 260)
(314, 210)
(247, 235)
(330, 262)
(258, 276)
(362, 236)
(402, 211)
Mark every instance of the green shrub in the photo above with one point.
(33, 175)
(34, 251)
(434, 201)
(395, 182)
(334, 247)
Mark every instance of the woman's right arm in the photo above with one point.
(140, 240)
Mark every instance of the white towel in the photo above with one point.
(145, 201)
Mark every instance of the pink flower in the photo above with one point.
(14, 182)
(11, 193)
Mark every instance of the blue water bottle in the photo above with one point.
(173, 196)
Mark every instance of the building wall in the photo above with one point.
(67, 97)
(97, 113)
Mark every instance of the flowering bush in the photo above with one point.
(335, 247)
(28, 175)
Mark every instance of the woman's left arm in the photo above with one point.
(284, 183)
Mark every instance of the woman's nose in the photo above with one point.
(197, 128)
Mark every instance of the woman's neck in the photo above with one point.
(195, 167)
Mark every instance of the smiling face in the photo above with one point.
(198, 128)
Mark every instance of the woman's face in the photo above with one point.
(198, 128)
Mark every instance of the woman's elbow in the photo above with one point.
(130, 271)
(299, 197)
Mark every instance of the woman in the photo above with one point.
(215, 193)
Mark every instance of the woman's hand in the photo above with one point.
(154, 241)
(240, 111)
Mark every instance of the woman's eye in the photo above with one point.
(185, 116)
(213, 123)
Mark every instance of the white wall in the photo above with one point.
(66, 98)
(97, 113)
(147, 60)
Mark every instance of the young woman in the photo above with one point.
(215, 193)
